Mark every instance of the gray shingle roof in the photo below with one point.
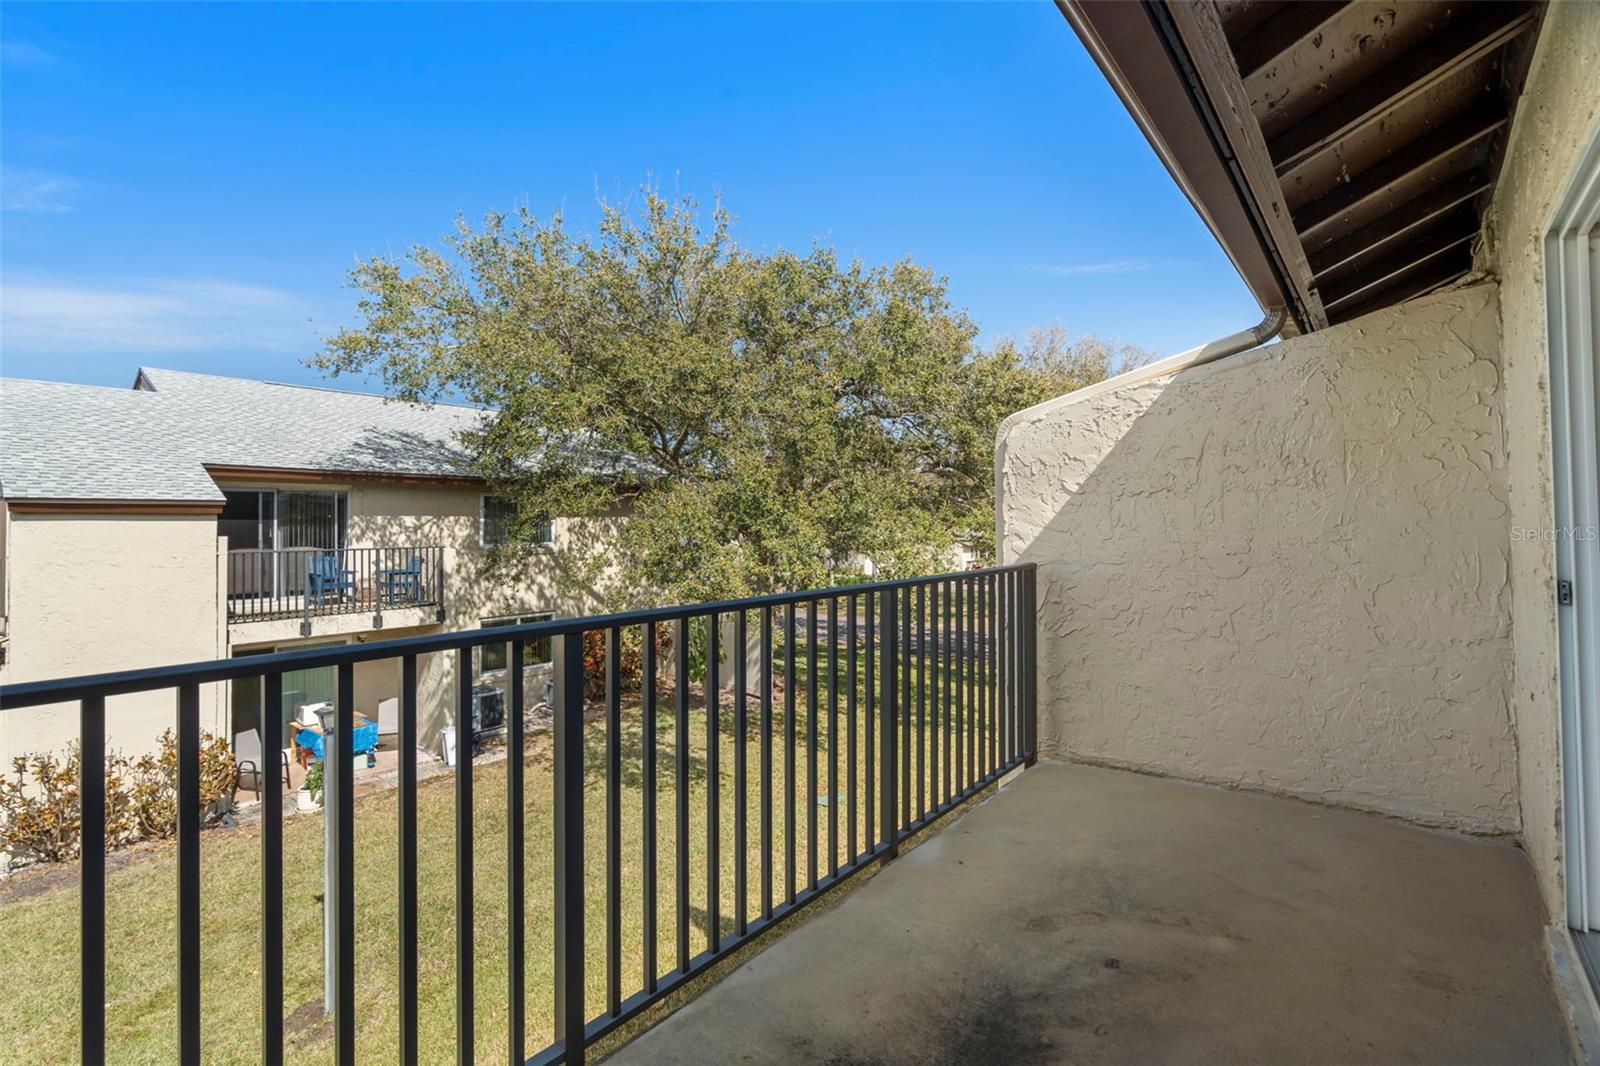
(62, 441)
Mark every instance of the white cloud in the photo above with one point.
(154, 316)
(35, 193)
(1113, 266)
(20, 55)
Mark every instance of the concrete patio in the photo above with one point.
(1090, 915)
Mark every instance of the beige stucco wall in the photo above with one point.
(1287, 570)
(1556, 116)
(94, 593)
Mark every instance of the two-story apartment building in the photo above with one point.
(194, 517)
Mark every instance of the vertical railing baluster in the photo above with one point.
(851, 809)
(935, 682)
(907, 614)
(568, 815)
(741, 780)
(811, 744)
(680, 710)
(516, 933)
(647, 806)
(790, 786)
(922, 700)
(947, 657)
(188, 815)
(464, 946)
(407, 887)
(766, 762)
(960, 706)
(972, 683)
(870, 653)
(713, 783)
(889, 832)
(614, 820)
(981, 732)
(269, 778)
(92, 879)
(833, 736)
(1003, 654)
(994, 673)
(1018, 623)
(1030, 630)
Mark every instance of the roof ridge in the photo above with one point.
(315, 388)
(75, 385)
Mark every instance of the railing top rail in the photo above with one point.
(401, 546)
(119, 683)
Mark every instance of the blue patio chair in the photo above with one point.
(403, 584)
(324, 575)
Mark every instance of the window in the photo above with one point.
(492, 657)
(497, 517)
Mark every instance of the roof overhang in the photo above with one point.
(83, 506)
(223, 473)
(1341, 152)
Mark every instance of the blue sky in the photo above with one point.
(188, 186)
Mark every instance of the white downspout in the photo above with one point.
(1221, 348)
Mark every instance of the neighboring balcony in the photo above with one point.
(267, 585)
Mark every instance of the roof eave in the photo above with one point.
(1164, 82)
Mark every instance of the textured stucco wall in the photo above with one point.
(92, 593)
(1556, 116)
(1287, 570)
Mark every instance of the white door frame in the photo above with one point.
(1572, 287)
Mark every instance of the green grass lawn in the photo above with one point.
(39, 935)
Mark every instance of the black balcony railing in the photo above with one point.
(939, 671)
(304, 583)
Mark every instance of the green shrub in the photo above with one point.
(41, 813)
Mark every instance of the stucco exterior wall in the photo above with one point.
(94, 593)
(1555, 119)
(1288, 570)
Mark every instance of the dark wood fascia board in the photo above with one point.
(1207, 44)
(1133, 54)
(46, 505)
(225, 473)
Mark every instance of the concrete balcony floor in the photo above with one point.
(1087, 915)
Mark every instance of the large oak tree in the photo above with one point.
(768, 418)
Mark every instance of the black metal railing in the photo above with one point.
(933, 678)
(305, 583)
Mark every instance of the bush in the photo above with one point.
(630, 661)
(41, 814)
(155, 785)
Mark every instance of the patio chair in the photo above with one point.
(324, 575)
(247, 760)
(388, 718)
(403, 584)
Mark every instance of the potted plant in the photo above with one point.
(309, 797)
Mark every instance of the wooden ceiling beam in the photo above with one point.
(1319, 218)
(1484, 29)
(1403, 220)
(1283, 31)
(1439, 272)
(1402, 261)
